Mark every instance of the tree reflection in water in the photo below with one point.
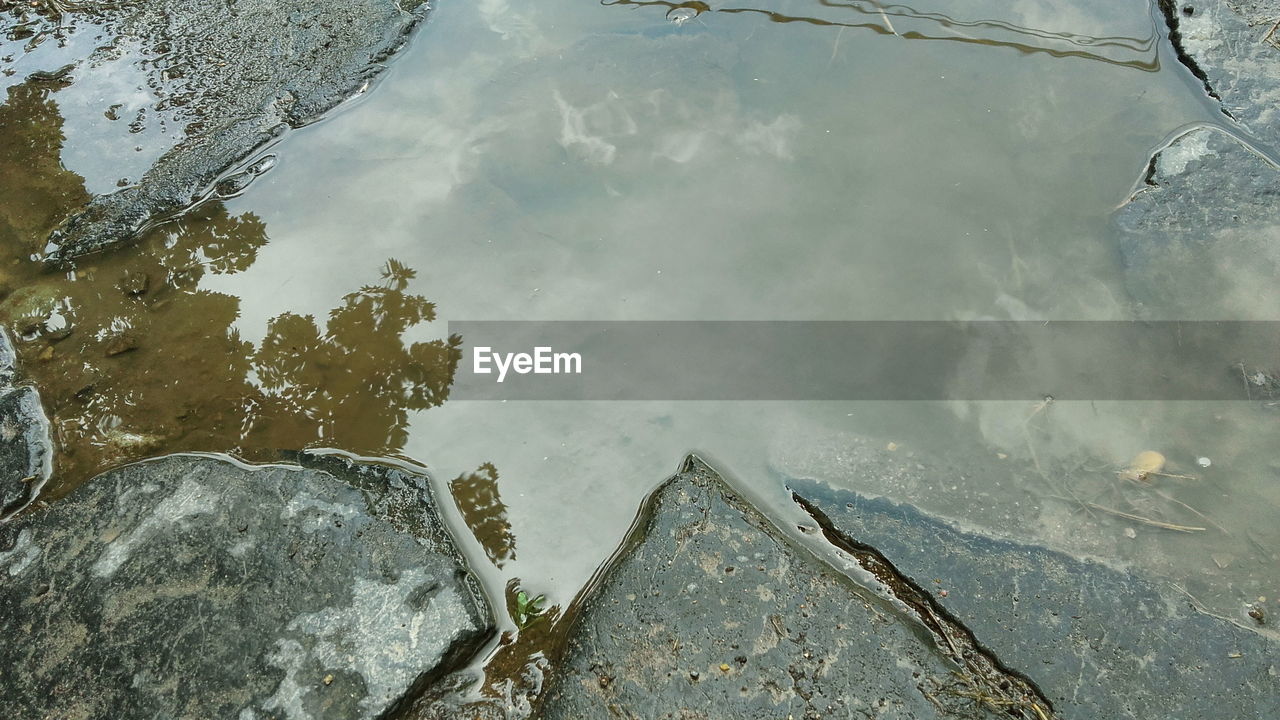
(907, 23)
(134, 358)
(485, 513)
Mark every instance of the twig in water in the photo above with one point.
(1026, 431)
(1267, 38)
(835, 47)
(1145, 520)
(1172, 475)
(885, 16)
(1035, 459)
(1194, 511)
(1200, 608)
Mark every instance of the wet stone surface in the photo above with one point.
(1201, 240)
(1098, 642)
(25, 445)
(1198, 241)
(711, 614)
(1236, 46)
(192, 587)
(225, 79)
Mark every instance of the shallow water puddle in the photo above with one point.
(571, 160)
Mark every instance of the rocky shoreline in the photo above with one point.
(194, 586)
(228, 80)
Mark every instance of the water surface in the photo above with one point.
(648, 160)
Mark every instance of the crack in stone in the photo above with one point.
(985, 679)
(1149, 177)
(1169, 9)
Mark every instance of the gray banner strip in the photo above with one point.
(882, 360)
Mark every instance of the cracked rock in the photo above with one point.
(195, 587)
(1201, 239)
(216, 82)
(709, 612)
(1234, 47)
(1097, 641)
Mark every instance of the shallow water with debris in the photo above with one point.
(649, 160)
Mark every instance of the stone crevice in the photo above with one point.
(992, 679)
(1169, 9)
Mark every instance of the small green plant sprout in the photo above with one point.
(527, 609)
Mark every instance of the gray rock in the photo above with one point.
(230, 77)
(1099, 642)
(26, 450)
(1201, 239)
(961, 479)
(1258, 13)
(194, 587)
(8, 360)
(1230, 45)
(708, 612)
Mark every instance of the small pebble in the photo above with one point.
(135, 284)
(121, 344)
(328, 679)
(1203, 461)
(62, 333)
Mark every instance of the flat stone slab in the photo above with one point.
(708, 612)
(1201, 238)
(26, 448)
(194, 587)
(201, 86)
(1099, 642)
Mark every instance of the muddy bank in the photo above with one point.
(195, 587)
(216, 83)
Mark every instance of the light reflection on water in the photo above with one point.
(909, 23)
(569, 160)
